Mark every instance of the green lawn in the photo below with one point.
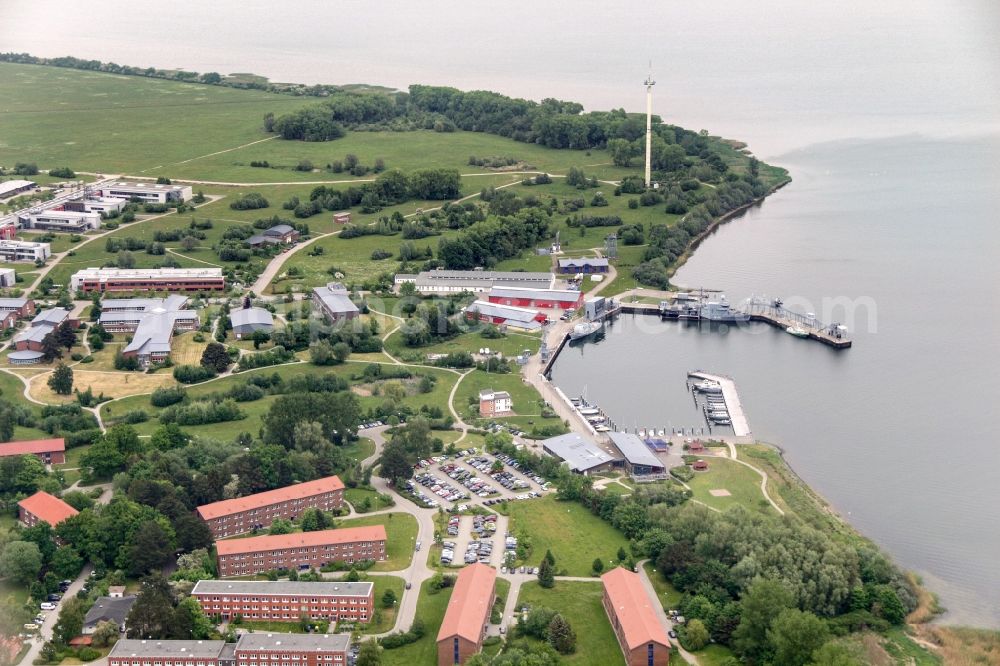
(668, 595)
(580, 604)
(575, 536)
(723, 474)
(355, 496)
(430, 609)
(387, 616)
(401, 534)
(510, 345)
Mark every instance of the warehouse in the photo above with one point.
(580, 453)
(11, 188)
(640, 462)
(563, 299)
(585, 265)
(484, 311)
(452, 282)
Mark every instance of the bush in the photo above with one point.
(135, 416)
(249, 201)
(191, 374)
(164, 397)
(62, 172)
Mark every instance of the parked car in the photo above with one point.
(47, 605)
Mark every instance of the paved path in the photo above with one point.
(661, 614)
(275, 264)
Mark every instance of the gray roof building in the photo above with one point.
(335, 301)
(153, 321)
(581, 262)
(34, 333)
(279, 230)
(284, 588)
(581, 453)
(248, 320)
(259, 239)
(133, 647)
(108, 609)
(12, 303)
(294, 642)
(512, 315)
(456, 281)
(638, 458)
(51, 317)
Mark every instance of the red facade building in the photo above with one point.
(285, 601)
(468, 613)
(49, 451)
(45, 508)
(245, 514)
(303, 550)
(562, 299)
(106, 280)
(250, 650)
(640, 634)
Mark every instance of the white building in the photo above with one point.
(8, 278)
(14, 250)
(445, 282)
(495, 403)
(146, 192)
(9, 188)
(152, 322)
(62, 220)
(247, 320)
(99, 205)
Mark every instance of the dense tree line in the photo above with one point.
(494, 239)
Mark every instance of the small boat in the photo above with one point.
(722, 422)
(708, 387)
(797, 331)
(585, 330)
(596, 419)
(602, 428)
(589, 411)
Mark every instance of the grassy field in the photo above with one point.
(355, 496)
(580, 604)
(574, 535)
(430, 609)
(401, 534)
(387, 616)
(669, 596)
(723, 474)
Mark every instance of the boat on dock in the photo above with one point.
(708, 387)
(602, 428)
(589, 411)
(797, 331)
(721, 311)
(585, 330)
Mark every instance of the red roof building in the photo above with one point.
(464, 625)
(42, 507)
(49, 451)
(301, 550)
(245, 514)
(633, 617)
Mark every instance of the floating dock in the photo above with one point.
(739, 420)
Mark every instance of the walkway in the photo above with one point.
(661, 614)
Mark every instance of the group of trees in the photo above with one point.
(389, 188)
(494, 239)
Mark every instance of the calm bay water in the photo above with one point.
(882, 111)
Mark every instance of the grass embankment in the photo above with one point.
(574, 535)
(724, 475)
(430, 609)
(580, 604)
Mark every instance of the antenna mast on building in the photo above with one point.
(649, 125)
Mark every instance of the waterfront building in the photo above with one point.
(583, 265)
(563, 299)
(45, 508)
(640, 634)
(640, 462)
(286, 601)
(245, 514)
(580, 453)
(147, 279)
(524, 318)
(442, 281)
(299, 551)
(467, 616)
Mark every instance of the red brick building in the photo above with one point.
(285, 601)
(244, 514)
(14, 309)
(464, 625)
(43, 507)
(251, 648)
(302, 550)
(523, 297)
(147, 279)
(495, 403)
(630, 609)
(49, 451)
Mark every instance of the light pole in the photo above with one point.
(649, 83)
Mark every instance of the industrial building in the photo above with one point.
(452, 282)
(152, 322)
(492, 313)
(147, 279)
(563, 299)
(247, 320)
(10, 188)
(334, 302)
(146, 192)
(640, 462)
(580, 453)
(12, 251)
(45, 508)
(583, 265)
(285, 601)
(298, 551)
(245, 514)
(61, 220)
(467, 616)
(640, 634)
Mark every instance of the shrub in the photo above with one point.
(164, 397)
(249, 201)
(191, 374)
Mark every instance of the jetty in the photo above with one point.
(739, 419)
(775, 314)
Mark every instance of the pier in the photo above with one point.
(775, 314)
(739, 420)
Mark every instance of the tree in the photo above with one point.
(550, 557)
(105, 634)
(190, 622)
(598, 565)
(622, 151)
(259, 337)
(763, 601)
(695, 635)
(169, 436)
(66, 562)
(838, 654)
(70, 622)
(20, 561)
(537, 623)
(621, 554)
(215, 357)
(389, 598)
(21, 474)
(152, 614)
(546, 574)
(561, 635)
(192, 532)
(66, 334)
(370, 654)
(280, 526)
(51, 349)
(61, 380)
(341, 351)
(795, 635)
(151, 547)
(394, 463)
(125, 259)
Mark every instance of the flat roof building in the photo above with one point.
(467, 616)
(45, 508)
(147, 279)
(247, 320)
(49, 451)
(9, 188)
(583, 265)
(97, 205)
(146, 192)
(304, 649)
(630, 610)
(8, 276)
(245, 514)
(286, 601)
(445, 281)
(582, 454)
(62, 220)
(536, 298)
(15, 251)
(137, 652)
(640, 462)
(302, 550)
(524, 318)
(334, 302)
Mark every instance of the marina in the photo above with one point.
(733, 406)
